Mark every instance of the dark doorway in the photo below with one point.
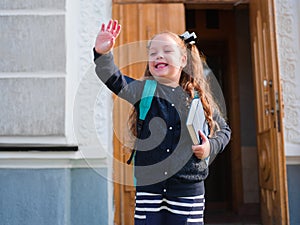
(218, 183)
(216, 28)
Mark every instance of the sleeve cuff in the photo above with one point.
(96, 54)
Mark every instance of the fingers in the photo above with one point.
(198, 148)
(109, 25)
(113, 27)
(202, 136)
(203, 150)
(102, 27)
(198, 151)
(117, 30)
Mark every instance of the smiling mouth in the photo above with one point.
(161, 65)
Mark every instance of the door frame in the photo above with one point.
(269, 113)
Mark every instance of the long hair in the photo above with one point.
(191, 79)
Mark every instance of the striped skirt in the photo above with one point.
(156, 209)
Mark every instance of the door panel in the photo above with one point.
(139, 23)
(272, 166)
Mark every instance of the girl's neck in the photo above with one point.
(167, 82)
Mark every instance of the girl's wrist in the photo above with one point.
(99, 51)
(96, 54)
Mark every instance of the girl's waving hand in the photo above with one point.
(107, 35)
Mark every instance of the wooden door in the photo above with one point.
(139, 23)
(272, 166)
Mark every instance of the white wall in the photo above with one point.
(49, 91)
(92, 103)
(288, 38)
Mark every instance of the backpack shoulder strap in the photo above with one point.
(147, 96)
(145, 104)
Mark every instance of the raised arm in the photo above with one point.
(122, 85)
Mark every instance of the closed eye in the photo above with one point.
(152, 54)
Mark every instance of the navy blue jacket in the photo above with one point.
(164, 161)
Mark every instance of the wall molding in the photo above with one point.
(33, 140)
(293, 160)
(29, 12)
(85, 157)
(21, 75)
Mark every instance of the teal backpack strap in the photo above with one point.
(147, 96)
(145, 104)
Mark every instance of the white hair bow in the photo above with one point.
(189, 38)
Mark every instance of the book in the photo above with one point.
(196, 121)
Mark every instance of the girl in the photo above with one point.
(168, 171)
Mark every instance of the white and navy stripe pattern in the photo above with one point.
(163, 210)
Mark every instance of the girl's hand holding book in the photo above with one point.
(202, 151)
(107, 35)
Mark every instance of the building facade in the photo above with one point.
(56, 136)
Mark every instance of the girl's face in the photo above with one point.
(166, 59)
